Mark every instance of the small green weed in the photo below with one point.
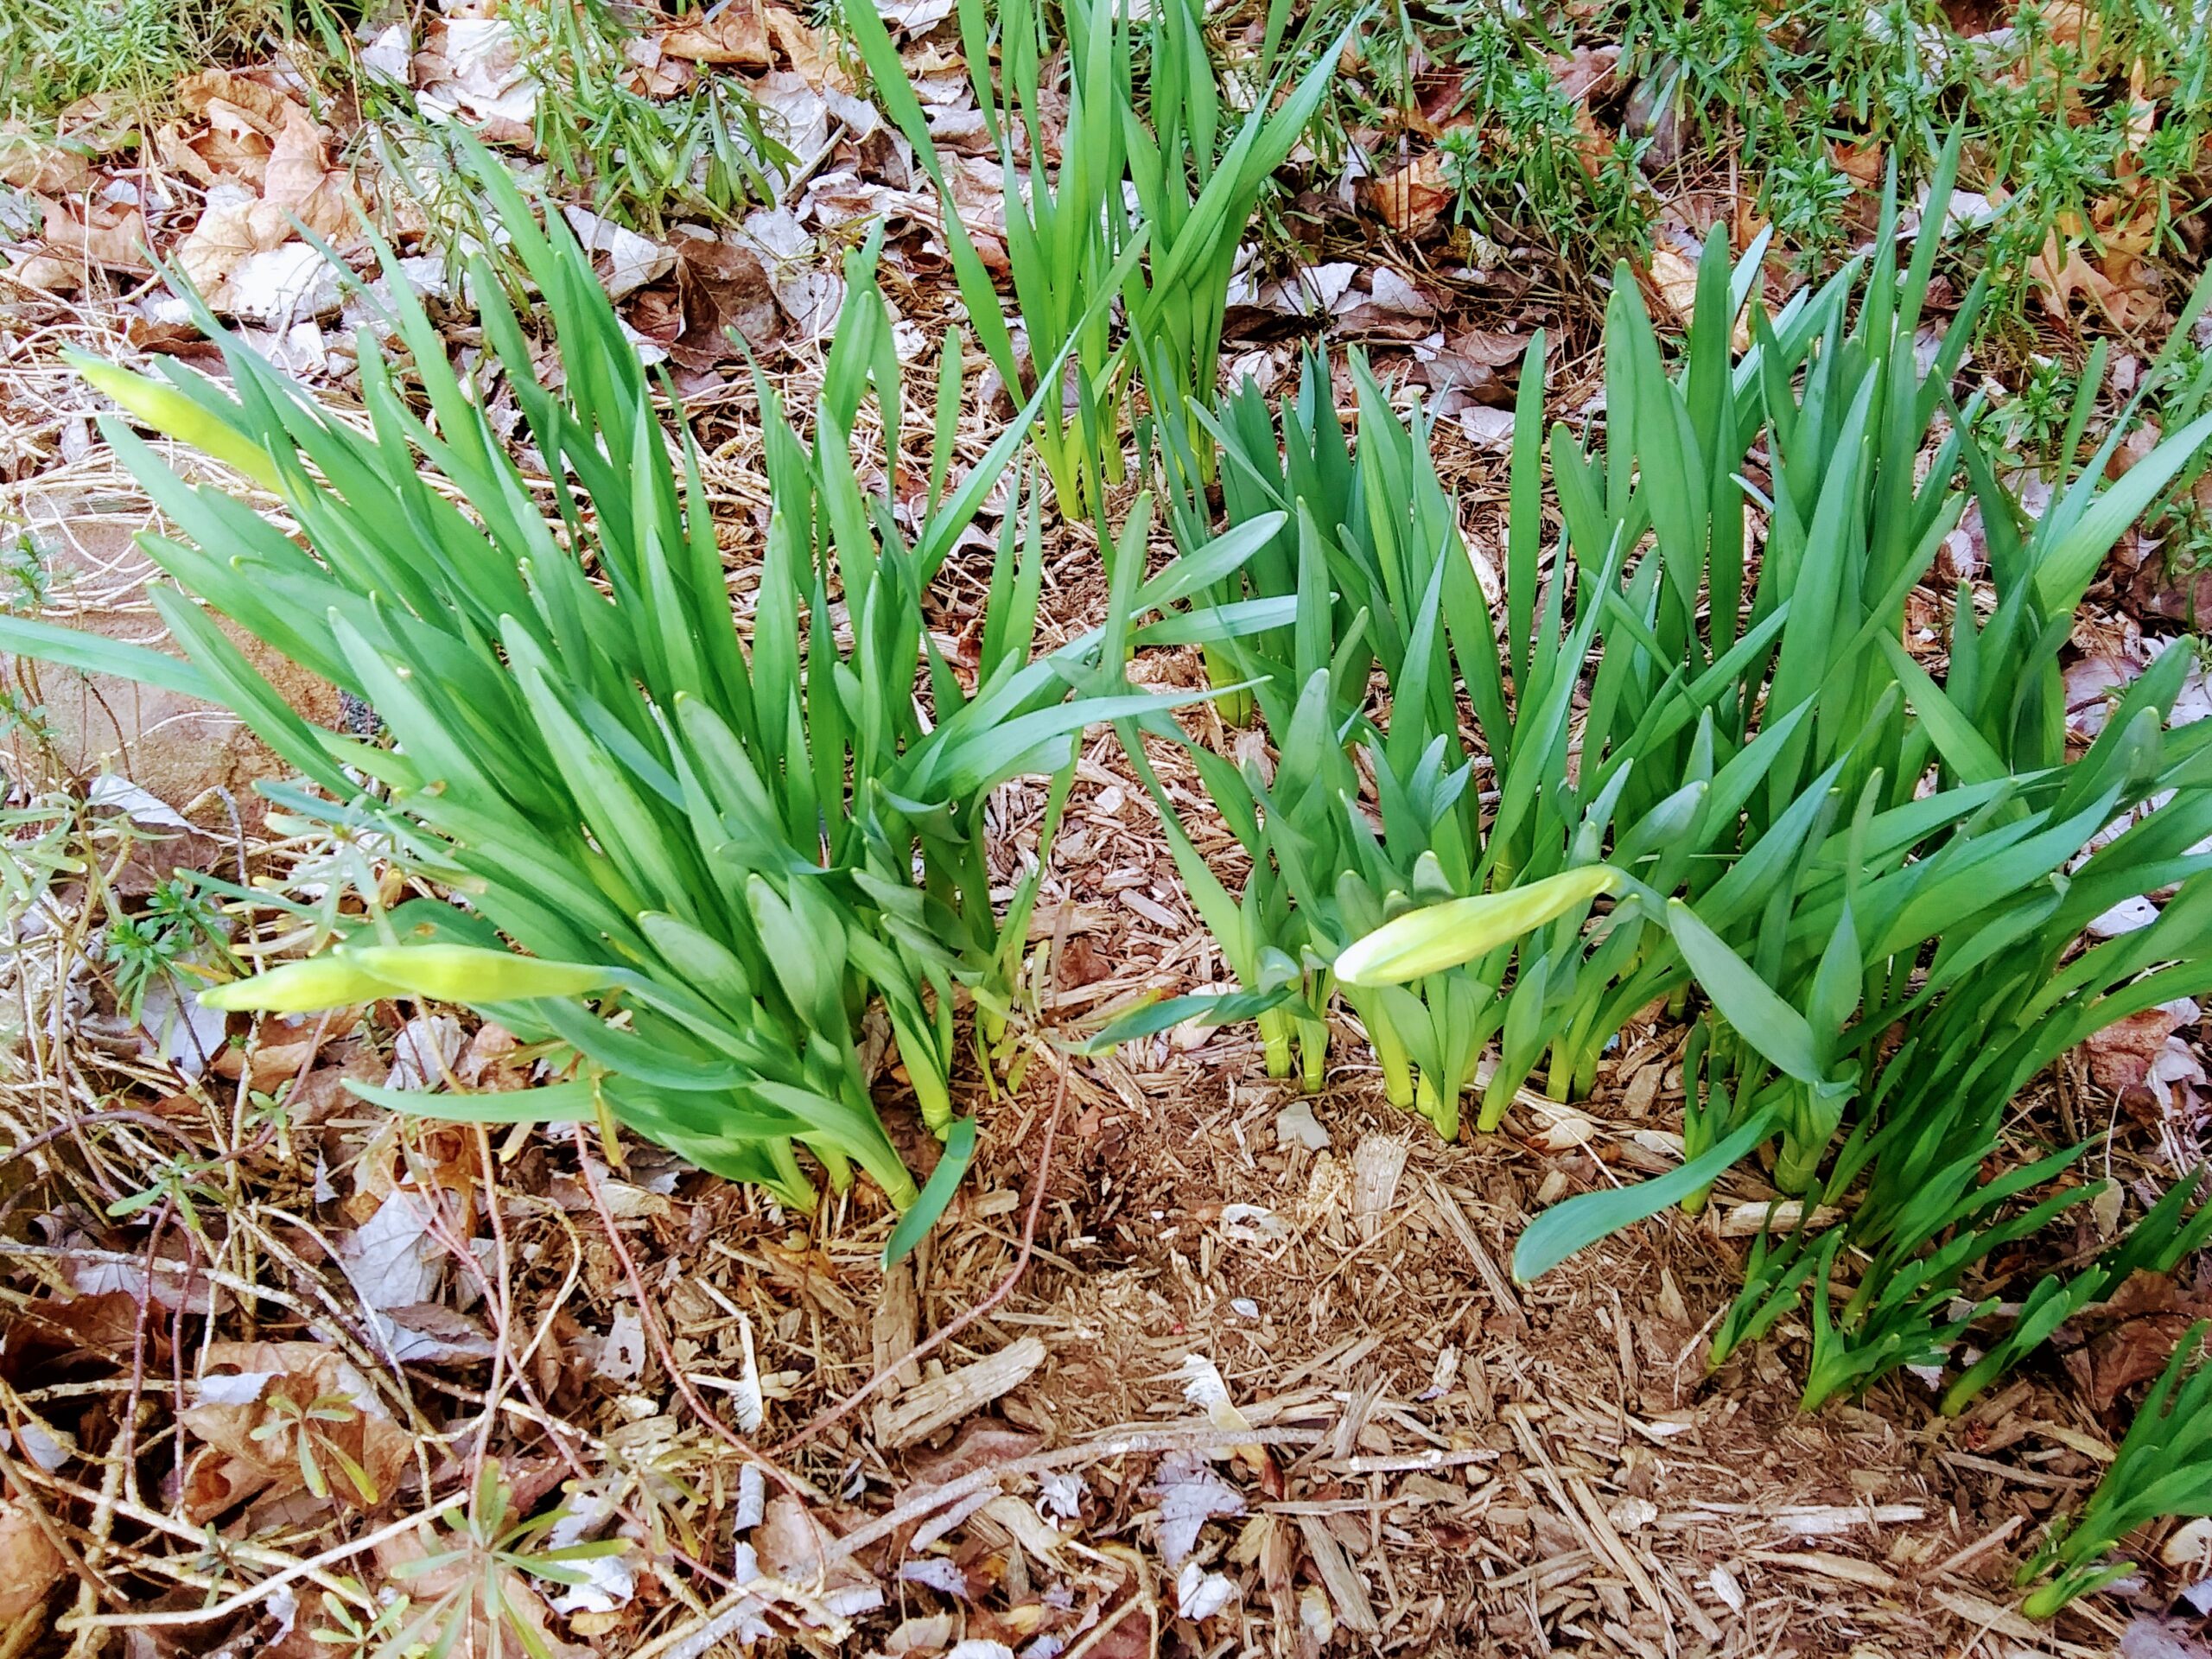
(646, 160)
(180, 923)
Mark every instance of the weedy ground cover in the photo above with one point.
(53, 53)
(2054, 109)
(735, 846)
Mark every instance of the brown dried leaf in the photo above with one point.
(45, 273)
(737, 33)
(789, 1542)
(726, 296)
(2075, 24)
(262, 107)
(2152, 1314)
(113, 237)
(487, 1063)
(1412, 198)
(2089, 684)
(1674, 278)
(218, 244)
(29, 1564)
(2141, 1060)
(981, 1443)
(252, 1440)
(31, 163)
(812, 56)
(234, 147)
(2120, 1055)
(1863, 163)
(301, 184)
(2063, 274)
(1583, 75)
(2140, 443)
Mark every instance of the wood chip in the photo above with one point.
(1501, 1289)
(940, 1401)
(1779, 1218)
(896, 1318)
(1846, 1569)
(1991, 1616)
(1347, 1590)
(1376, 1165)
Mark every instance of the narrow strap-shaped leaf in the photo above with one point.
(92, 653)
(1777, 1030)
(936, 1193)
(1577, 1223)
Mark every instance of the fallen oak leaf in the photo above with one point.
(218, 244)
(300, 184)
(1583, 74)
(812, 56)
(2139, 1058)
(1674, 278)
(43, 273)
(255, 1401)
(216, 155)
(2063, 274)
(2148, 1315)
(30, 1567)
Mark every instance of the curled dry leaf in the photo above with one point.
(2090, 684)
(735, 32)
(2142, 1060)
(240, 121)
(2144, 1319)
(1586, 72)
(1674, 278)
(1189, 1493)
(300, 183)
(29, 1564)
(254, 103)
(2116, 283)
(725, 296)
(2140, 443)
(471, 69)
(624, 260)
(218, 244)
(106, 234)
(1412, 198)
(789, 1544)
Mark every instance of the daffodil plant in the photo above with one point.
(717, 844)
